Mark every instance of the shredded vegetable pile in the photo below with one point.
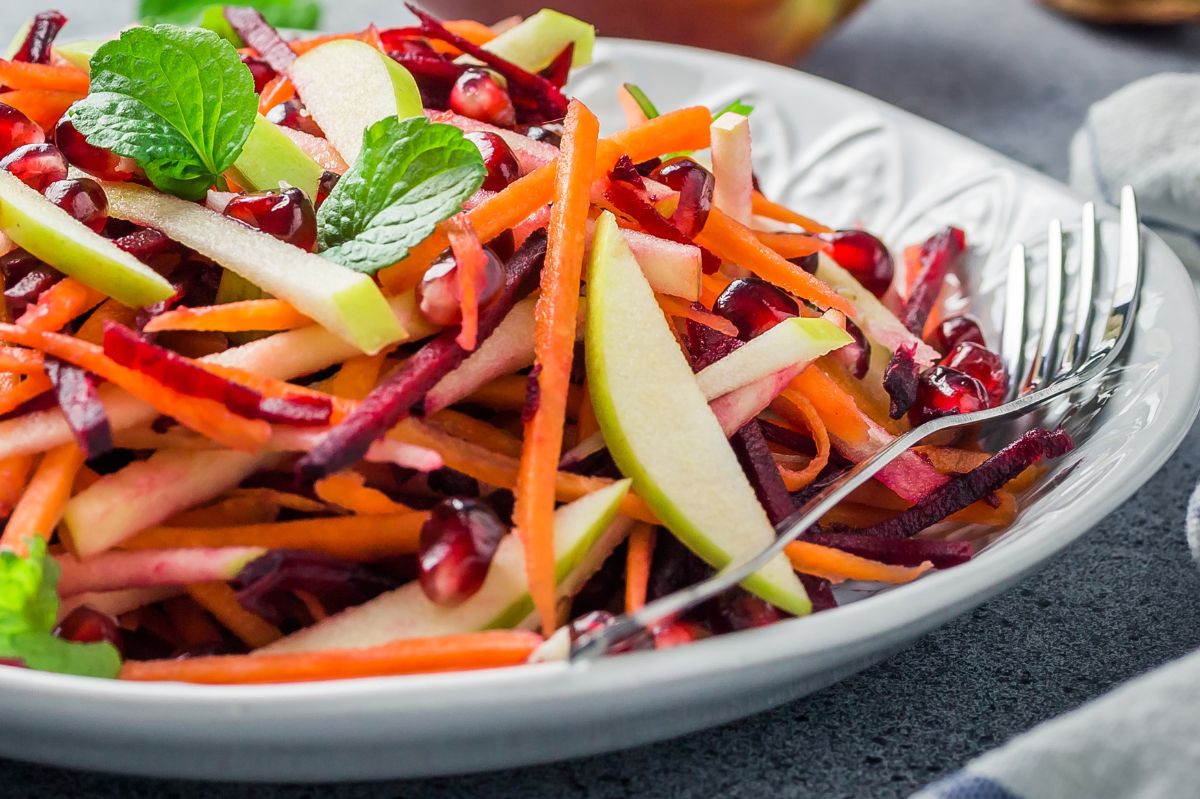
(368, 354)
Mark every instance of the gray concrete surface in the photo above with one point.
(1121, 601)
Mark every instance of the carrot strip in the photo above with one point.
(60, 304)
(474, 32)
(14, 472)
(92, 329)
(43, 106)
(685, 129)
(205, 416)
(191, 622)
(278, 90)
(220, 600)
(357, 376)
(312, 605)
(471, 261)
(304, 45)
(356, 538)
(837, 409)
(24, 75)
(674, 306)
(855, 516)
(461, 652)
(282, 499)
(17, 361)
(807, 415)
(836, 565)
(227, 512)
(233, 317)
(40, 508)
(585, 424)
(736, 243)
(638, 558)
(348, 490)
(554, 346)
(761, 206)
(508, 393)
(469, 428)
(17, 395)
(790, 245)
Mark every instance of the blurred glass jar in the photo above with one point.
(772, 30)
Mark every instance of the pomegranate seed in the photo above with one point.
(397, 44)
(478, 94)
(325, 186)
(457, 545)
(37, 165)
(677, 634)
(943, 391)
(83, 199)
(954, 330)
(550, 132)
(17, 130)
(755, 306)
(295, 116)
(695, 186)
(261, 70)
(982, 364)
(438, 293)
(808, 263)
(864, 256)
(104, 164)
(502, 166)
(87, 626)
(287, 215)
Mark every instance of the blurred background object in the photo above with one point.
(772, 30)
(1149, 12)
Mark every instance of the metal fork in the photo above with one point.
(1048, 375)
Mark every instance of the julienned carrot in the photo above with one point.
(357, 376)
(711, 287)
(761, 206)
(836, 565)
(461, 652)
(736, 243)
(499, 470)
(40, 508)
(356, 538)
(349, 490)
(278, 90)
(302, 46)
(790, 245)
(14, 472)
(875, 405)
(806, 415)
(18, 361)
(471, 261)
(555, 321)
(471, 30)
(92, 329)
(638, 558)
(226, 513)
(205, 416)
(23, 75)
(508, 393)
(836, 408)
(674, 306)
(43, 106)
(56, 306)
(220, 600)
(190, 621)
(233, 317)
(17, 395)
(856, 516)
(585, 424)
(685, 129)
(469, 428)
(283, 499)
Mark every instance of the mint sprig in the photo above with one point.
(410, 176)
(28, 606)
(178, 101)
(304, 14)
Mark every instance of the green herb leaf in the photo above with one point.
(737, 107)
(304, 14)
(180, 102)
(28, 607)
(410, 176)
(642, 100)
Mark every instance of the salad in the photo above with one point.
(367, 354)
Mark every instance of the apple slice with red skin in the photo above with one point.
(148, 568)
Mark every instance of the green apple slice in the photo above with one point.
(584, 535)
(733, 172)
(79, 53)
(53, 235)
(270, 158)
(791, 342)
(346, 303)
(348, 86)
(660, 430)
(534, 43)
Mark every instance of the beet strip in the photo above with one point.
(820, 592)
(938, 255)
(752, 453)
(560, 68)
(900, 379)
(42, 32)
(76, 394)
(897, 551)
(256, 32)
(632, 202)
(967, 488)
(393, 399)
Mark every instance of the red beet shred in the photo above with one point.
(265, 585)
(256, 32)
(76, 394)
(938, 256)
(900, 380)
(42, 32)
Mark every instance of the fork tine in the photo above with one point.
(1127, 285)
(1012, 342)
(1045, 361)
(1085, 300)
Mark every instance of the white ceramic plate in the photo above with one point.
(842, 157)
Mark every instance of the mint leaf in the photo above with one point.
(28, 607)
(737, 106)
(410, 176)
(304, 14)
(180, 102)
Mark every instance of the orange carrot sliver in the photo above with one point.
(464, 651)
(278, 90)
(555, 316)
(348, 490)
(638, 558)
(23, 75)
(761, 206)
(220, 600)
(471, 30)
(40, 508)
(92, 329)
(357, 376)
(674, 306)
(14, 472)
(586, 424)
(304, 45)
(17, 395)
(18, 361)
(837, 409)
(471, 261)
(233, 317)
(227, 512)
(60, 304)
(43, 106)
(790, 245)
(807, 415)
(190, 621)
(508, 394)
(836, 565)
(469, 428)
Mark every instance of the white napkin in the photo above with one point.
(1148, 135)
